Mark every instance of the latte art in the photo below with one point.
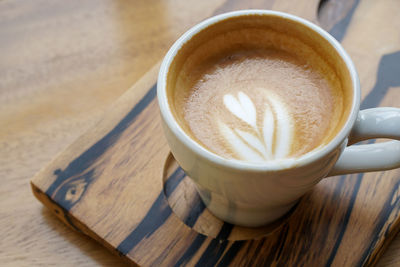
(268, 141)
(257, 104)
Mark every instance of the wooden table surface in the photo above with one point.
(62, 63)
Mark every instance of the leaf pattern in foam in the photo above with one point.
(241, 148)
(284, 128)
(258, 147)
(268, 130)
(254, 142)
(243, 108)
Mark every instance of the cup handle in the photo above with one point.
(371, 123)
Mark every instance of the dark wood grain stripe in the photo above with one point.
(257, 252)
(347, 215)
(59, 211)
(231, 253)
(195, 212)
(74, 186)
(191, 251)
(154, 218)
(79, 168)
(197, 205)
(339, 29)
(173, 181)
(392, 201)
(216, 248)
(388, 76)
(281, 241)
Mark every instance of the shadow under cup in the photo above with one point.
(243, 195)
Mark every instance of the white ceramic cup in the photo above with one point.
(252, 194)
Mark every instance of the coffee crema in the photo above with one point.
(257, 95)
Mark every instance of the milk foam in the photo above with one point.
(266, 141)
(256, 105)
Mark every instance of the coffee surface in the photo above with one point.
(258, 105)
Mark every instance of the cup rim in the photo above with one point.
(274, 165)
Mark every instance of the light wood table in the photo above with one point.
(62, 63)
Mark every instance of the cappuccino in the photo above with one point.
(257, 95)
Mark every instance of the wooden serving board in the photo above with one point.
(119, 184)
